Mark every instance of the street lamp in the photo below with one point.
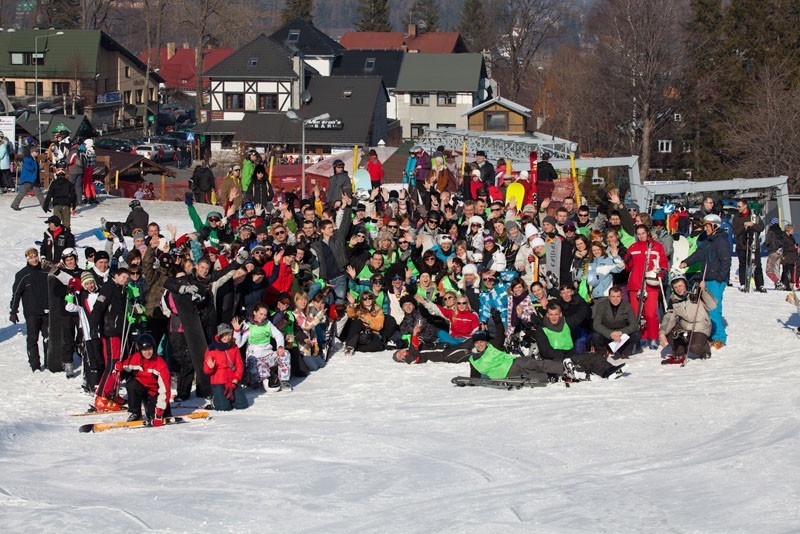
(292, 115)
(36, 83)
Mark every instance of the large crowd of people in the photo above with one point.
(442, 269)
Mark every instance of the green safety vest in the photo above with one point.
(625, 238)
(559, 340)
(494, 363)
(696, 267)
(260, 334)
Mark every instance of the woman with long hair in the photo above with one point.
(306, 332)
(600, 271)
(362, 330)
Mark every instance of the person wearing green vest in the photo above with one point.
(215, 230)
(554, 339)
(487, 360)
(259, 333)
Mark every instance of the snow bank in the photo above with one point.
(367, 445)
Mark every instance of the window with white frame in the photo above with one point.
(665, 146)
(677, 117)
(445, 99)
(420, 99)
(369, 64)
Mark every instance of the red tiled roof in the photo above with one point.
(428, 43)
(179, 72)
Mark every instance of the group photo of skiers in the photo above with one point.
(269, 286)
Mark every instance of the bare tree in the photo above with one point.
(764, 139)
(95, 13)
(639, 43)
(525, 26)
(209, 22)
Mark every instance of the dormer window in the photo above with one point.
(252, 62)
(294, 36)
(369, 64)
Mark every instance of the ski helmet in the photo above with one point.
(69, 252)
(248, 206)
(338, 163)
(677, 277)
(146, 341)
(713, 219)
(134, 203)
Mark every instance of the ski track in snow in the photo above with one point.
(368, 445)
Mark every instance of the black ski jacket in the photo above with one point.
(60, 193)
(30, 288)
(108, 315)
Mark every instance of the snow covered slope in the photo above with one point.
(368, 445)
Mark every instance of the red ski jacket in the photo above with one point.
(635, 262)
(153, 374)
(227, 363)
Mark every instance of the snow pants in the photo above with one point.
(650, 313)
(534, 369)
(139, 397)
(593, 363)
(35, 325)
(717, 322)
(109, 382)
(95, 365)
(773, 262)
(223, 403)
(262, 359)
(180, 355)
(24, 189)
(679, 342)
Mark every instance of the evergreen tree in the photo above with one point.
(374, 16)
(298, 9)
(474, 27)
(425, 14)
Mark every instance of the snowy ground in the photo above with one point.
(367, 445)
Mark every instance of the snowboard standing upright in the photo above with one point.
(195, 341)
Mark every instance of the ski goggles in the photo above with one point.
(31, 252)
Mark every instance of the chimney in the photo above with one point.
(412, 31)
(170, 51)
(186, 46)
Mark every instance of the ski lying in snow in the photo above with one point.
(503, 383)
(176, 420)
(124, 409)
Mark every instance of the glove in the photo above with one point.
(229, 391)
(138, 309)
(189, 288)
(14, 318)
(197, 297)
(242, 256)
(158, 420)
(118, 366)
(189, 198)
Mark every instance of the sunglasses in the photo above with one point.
(583, 215)
(488, 280)
(259, 253)
(462, 303)
(432, 258)
(367, 298)
(280, 232)
(134, 273)
(393, 227)
(402, 242)
(214, 219)
(449, 297)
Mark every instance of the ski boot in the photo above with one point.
(285, 386)
(69, 370)
(569, 370)
(614, 372)
(134, 417)
(102, 404)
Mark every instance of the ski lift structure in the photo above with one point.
(517, 148)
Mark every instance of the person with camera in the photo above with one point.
(686, 327)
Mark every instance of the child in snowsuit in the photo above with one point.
(258, 333)
(223, 364)
(148, 384)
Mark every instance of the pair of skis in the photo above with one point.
(502, 383)
(175, 420)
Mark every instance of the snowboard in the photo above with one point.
(552, 250)
(504, 383)
(195, 341)
(517, 192)
(362, 180)
(680, 251)
(102, 427)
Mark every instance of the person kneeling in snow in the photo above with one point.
(223, 364)
(149, 382)
(258, 333)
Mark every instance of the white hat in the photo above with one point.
(475, 219)
(470, 269)
(523, 175)
(537, 242)
(531, 231)
(475, 172)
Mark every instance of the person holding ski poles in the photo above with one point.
(647, 263)
(687, 325)
(715, 253)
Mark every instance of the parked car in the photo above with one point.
(150, 152)
(166, 152)
(118, 145)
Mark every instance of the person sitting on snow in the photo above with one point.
(688, 320)
(148, 383)
(223, 364)
(258, 333)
